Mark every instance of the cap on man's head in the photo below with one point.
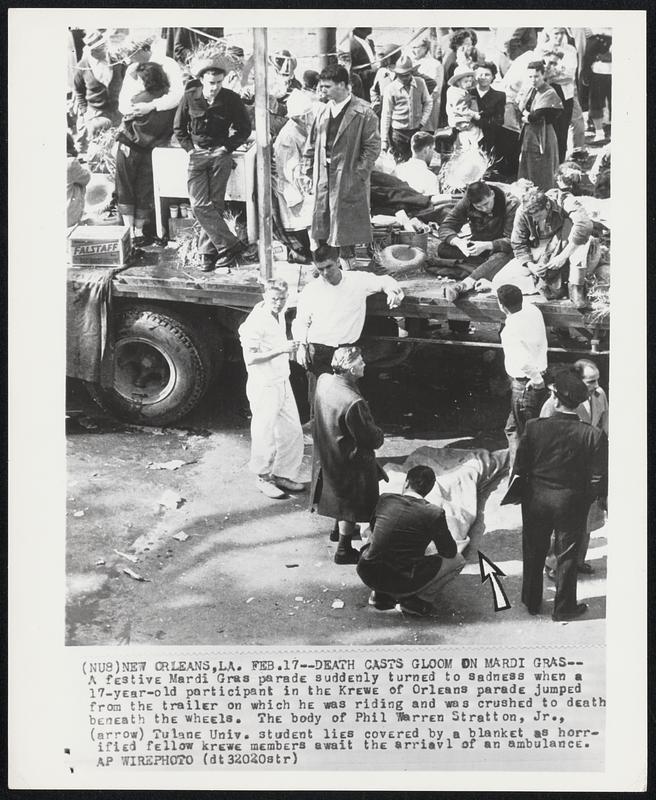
(570, 389)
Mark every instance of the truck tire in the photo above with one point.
(162, 367)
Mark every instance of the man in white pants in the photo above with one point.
(276, 434)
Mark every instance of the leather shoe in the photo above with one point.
(382, 602)
(227, 259)
(287, 484)
(567, 616)
(586, 569)
(452, 292)
(334, 534)
(347, 556)
(269, 488)
(417, 607)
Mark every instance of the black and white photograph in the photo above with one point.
(338, 454)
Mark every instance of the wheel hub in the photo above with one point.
(143, 372)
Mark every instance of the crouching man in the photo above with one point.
(394, 562)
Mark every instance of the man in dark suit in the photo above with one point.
(394, 563)
(562, 463)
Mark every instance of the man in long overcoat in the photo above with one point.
(340, 153)
(344, 470)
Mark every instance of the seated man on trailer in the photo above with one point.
(489, 210)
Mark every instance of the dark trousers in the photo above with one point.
(485, 266)
(134, 181)
(320, 356)
(545, 511)
(206, 182)
(561, 126)
(400, 141)
(525, 403)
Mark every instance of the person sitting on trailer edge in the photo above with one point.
(331, 311)
(490, 212)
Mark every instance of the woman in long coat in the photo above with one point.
(344, 470)
(539, 107)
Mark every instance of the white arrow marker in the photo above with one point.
(489, 570)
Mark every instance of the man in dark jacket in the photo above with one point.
(394, 563)
(490, 212)
(562, 463)
(211, 122)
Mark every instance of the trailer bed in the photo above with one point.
(160, 277)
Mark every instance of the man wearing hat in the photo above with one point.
(387, 56)
(210, 123)
(97, 82)
(407, 107)
(561, 465)
(138, 51)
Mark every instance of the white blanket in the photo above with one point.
(461, 475)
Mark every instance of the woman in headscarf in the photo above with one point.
(344, 471)
(294, 204)
(539, 108)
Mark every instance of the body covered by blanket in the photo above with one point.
(88, 323)
(460, 474)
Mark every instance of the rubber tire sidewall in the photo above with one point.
(183, 345)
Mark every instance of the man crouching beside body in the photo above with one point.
(394, 563)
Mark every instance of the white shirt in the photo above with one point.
(335, 108)
(524, 342)
(259, 333)
(132, 86)
(416, 174)
(334, 315)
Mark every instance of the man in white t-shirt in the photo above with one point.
(331, 311)
(524, 342)
(276, 434)
(415, 171)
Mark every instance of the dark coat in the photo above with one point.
(344, 469)
(496, 227)
(492, 108)
(341, 208)
(402, 526)
(565, 454)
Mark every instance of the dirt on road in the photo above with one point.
(169, 542)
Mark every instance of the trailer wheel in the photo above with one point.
(162, 368)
